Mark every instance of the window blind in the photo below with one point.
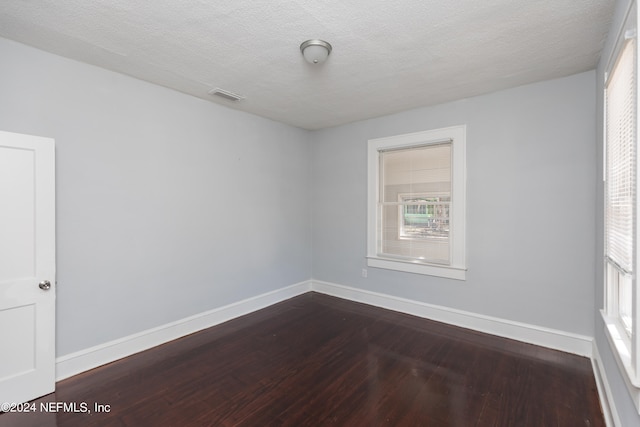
(620, 191)
(415, 202)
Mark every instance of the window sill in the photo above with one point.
(416, 268)
(622, 354)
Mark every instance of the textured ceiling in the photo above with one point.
(387, 56)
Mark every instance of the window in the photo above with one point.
(620, 185)
(620, 209)
(416, 206)
(423, 216)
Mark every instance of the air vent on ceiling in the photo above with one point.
(225, 94)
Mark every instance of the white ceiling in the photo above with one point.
(387, 56)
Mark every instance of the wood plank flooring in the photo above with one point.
(316, 360)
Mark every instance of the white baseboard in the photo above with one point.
(84, 360)
(545, 337)
(611, 417)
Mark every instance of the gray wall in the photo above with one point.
(167, 205)
(530, 199)
(624, 405)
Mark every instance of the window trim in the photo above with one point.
(457, 268)
(625, 348)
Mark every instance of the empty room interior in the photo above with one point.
(299, 213)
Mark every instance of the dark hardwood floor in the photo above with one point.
(315, 360)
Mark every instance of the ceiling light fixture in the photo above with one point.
(315, 51)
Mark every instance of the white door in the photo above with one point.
(27, 267)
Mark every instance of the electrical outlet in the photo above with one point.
(364, 272)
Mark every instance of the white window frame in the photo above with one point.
(457, 267)
(625, 346)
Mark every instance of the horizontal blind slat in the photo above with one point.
(620, 187)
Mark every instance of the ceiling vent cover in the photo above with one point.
(225, 94)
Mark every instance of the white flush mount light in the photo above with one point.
(315, 51)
